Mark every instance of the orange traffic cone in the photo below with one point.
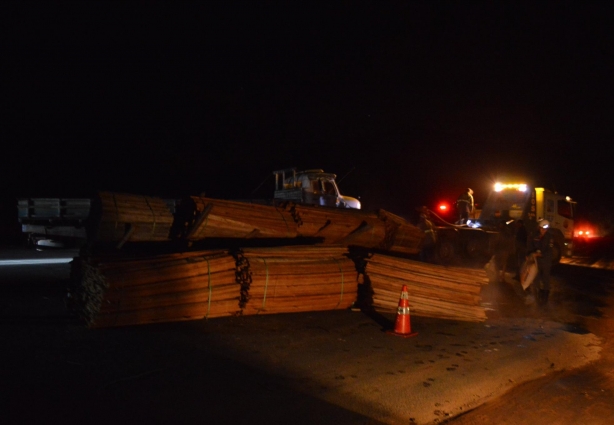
(402, 326)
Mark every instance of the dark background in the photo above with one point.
(407, 102)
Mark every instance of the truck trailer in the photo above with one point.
(57, 222)
(506, 203)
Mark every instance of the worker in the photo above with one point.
(464, 205)
(427, 248)
(504, 247)
(541, 248)
(520, 245)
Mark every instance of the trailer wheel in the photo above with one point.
(30, 242)
(474, 248)
(445, 251)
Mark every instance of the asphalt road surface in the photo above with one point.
(521, 366)
(583, 297)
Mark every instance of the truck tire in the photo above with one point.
(557, 252)
(557, 246)
(445, 251)
(474, 248)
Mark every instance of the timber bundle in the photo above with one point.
(338, 225)
(133, 218)
(119, 291)
(136, 218)
(401, 236)
(434, 291)
(165, 288)
(297, 279)
(214, 218)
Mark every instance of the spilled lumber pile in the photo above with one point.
(296, 279)
(434, 291)
(216, 218)
(116, 291)
(135, 218)
(339, 225)
(122, 218)
(401, 236)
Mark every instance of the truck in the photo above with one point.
(57, 222)
(506, 203)
(311, 187)
(53, 222)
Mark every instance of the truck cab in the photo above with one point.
(312, 187)
(506, 203)
(511, 201)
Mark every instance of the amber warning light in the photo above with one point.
(518, 186)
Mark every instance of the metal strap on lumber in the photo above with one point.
(153, 228)
(288, 233)
(209, 286)
(328, 223)
(254, 233)
(266, 282)
(202, 217)
(129, 232)
(342, 281)
(364, 227)
(116, 210)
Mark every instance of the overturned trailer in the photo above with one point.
(112, 220)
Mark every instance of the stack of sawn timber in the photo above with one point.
(401, 236)
(116, 291)
(135, 218)
(434, 290)
(214, 218)
(297, 279)
(339, 226)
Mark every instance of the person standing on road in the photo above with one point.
(541, 247)
(430, 236)
(504, 247)
(464, 205)
(520, 246)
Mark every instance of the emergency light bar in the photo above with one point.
(521, 187)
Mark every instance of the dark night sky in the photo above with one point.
(415, 100)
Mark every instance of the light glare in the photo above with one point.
(521, 187)
(23, 262)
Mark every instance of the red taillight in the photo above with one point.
(443, 207)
